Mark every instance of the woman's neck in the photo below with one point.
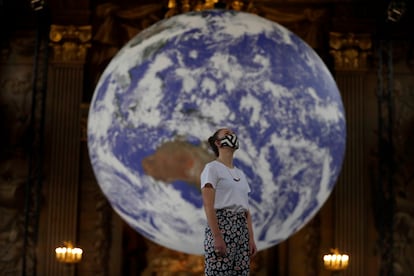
(226, 159)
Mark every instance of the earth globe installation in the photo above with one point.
(170, 87)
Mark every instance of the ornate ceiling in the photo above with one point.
(362, 13)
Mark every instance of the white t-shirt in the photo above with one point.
(230, 194)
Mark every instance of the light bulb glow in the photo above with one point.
(336, 261)
(68, 254)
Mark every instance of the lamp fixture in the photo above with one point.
(396, 10)
(68, 254)
(335, 261)
(37, 5)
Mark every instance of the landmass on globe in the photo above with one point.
(177, 161)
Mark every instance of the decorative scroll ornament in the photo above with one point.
(70, 43)
(350, 51)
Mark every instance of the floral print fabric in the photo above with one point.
(233, 226)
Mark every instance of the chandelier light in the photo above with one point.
(68, 254)
(335, 261)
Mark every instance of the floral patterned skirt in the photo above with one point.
(233, 226)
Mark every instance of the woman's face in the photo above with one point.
(227, 138)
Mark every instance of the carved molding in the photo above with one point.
(350, 51)
(70, 43)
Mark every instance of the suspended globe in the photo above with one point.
(170, 87)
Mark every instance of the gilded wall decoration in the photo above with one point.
(70, 43)
(181, 6)
(350, 51)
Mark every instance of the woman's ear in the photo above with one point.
(217, 143)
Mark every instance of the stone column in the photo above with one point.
(59, 215)
(351, 194)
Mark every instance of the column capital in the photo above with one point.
(69, 43)
(350, 51)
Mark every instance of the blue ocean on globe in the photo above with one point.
(170, 87)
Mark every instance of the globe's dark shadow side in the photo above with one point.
(179, 163)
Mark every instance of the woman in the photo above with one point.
(229, 242)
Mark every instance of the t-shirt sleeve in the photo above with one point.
(208, 175)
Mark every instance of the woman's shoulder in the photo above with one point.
(211, 164)
(210, 167)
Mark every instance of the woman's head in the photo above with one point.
(221, 138)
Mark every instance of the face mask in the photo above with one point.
(230, 141)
